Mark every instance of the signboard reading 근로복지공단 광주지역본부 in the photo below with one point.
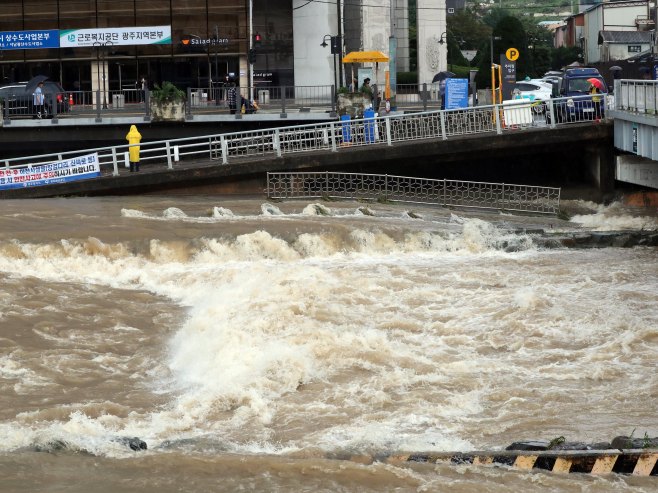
(115, 36)
(77, 168)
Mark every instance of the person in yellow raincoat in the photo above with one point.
(134, 137)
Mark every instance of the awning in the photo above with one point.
(365, 57)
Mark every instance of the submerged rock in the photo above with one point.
(529, 445)
(623, 442)
(135, 443)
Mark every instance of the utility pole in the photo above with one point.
(339, 33)
(251, 47)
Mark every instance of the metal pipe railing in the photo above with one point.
(335, 136)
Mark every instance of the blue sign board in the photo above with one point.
(78, 168)
(655, 72)
(456, 93)
(29, 40)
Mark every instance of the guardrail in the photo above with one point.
(639, 96)
(479, 195)
(281, 100)
(327, 136)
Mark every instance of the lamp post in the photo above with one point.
(335, 50)
(120, 85)
(493, 66)
(101, 46)
(443, 39)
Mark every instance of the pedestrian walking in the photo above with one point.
(38, 100)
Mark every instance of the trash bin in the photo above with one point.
(369, 125)
(195, 98)
(263, 96)
(118, 101)
(346, 128)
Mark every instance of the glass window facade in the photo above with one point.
(209, 39)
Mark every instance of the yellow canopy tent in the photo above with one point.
(365, 57)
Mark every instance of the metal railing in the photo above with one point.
(327, 136)
(480, 195)
(639, 96)
(281, 100)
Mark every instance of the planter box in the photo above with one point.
(161, 112)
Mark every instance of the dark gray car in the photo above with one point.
(19, 102)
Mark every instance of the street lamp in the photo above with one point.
(335, 50)
(493, 38)
(493, 74)
(443, 39)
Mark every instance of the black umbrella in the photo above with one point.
(34, 82)
(443, 75)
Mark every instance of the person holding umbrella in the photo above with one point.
(596, 90)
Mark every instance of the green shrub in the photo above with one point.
(168, 93)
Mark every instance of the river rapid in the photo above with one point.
(247, 343)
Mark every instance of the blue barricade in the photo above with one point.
(369, 125)
(346, 128)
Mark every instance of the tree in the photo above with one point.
(511, 34)
(469, 31)
(455, 56)
(565, 55)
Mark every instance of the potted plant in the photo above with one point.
(167, 103)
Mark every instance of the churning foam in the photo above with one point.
(614, 217)
(267, 315)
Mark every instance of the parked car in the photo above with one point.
(20, 102)
(536, 90)
(575, 102)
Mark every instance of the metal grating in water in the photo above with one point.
(481, 195)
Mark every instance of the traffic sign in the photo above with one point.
(512, 54)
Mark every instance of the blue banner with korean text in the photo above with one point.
(29, 40)
(77, 168)
(456, 93)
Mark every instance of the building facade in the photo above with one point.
(209, 40)
(264, 42)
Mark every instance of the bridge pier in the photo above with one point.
(600, 167)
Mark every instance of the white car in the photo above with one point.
(536, 90)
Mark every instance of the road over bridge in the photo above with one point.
(473, 144)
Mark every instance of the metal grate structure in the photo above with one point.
(480, 195)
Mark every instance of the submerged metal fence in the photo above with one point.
(480, 195)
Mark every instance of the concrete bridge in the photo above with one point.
(636, 131)
(513, 143)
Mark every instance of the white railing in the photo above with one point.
(639, 96)
(336, 135)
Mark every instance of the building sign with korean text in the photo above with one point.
(115, 36)
(29, 40)
(508, 75)
(78, 168)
